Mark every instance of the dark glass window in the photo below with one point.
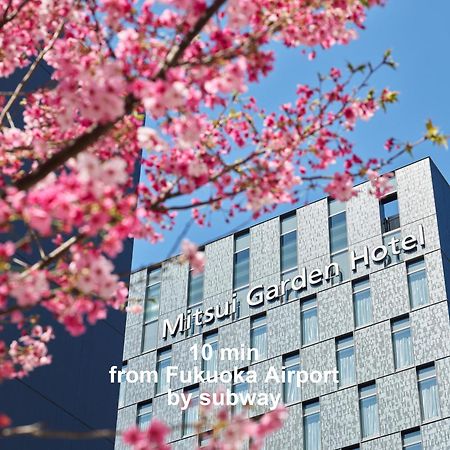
(390, 216)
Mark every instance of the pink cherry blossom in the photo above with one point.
(195, 258)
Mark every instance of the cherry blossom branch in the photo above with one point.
(7, 18)
(38, 430)
(30, 71)
(83, 142)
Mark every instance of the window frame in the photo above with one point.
(361, 398)
(410, 272)
(140, 414)
(152, 322)
(385, 221)
(189, 429)
(242, 307)
(340, 346)
(336, 208)
(421, 379)
(304, 309)
(355, 291)
(160, 359)
(286, 384)
(255, 326)
(396, 328)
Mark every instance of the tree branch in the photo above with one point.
(7, 18)
(38, 430)
(30, 72)
(83, 142)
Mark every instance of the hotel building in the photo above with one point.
(361, 286)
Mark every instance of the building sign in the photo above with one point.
(305, 278)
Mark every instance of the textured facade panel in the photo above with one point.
(359, 249)
(290, 437)
(265, 282)
(138, 392)
(398, 402)
(218, 267)
(363, 216)
(171, 415)
(435, 276)
(262, 369)
(431, 333)
(217, 300)
(391, 442)
(436, 435)
(340, 419)
(443, 379)
(283, 325)
(415, 192)
(172, 318)
(335, 311)
(235, 335)
(441, 191)
(431, 235)
(264, 250)
(126, 418)
(174, 281)
(136, 295)
(319, 263)
(389, 291)
(183, 358)
(319, 357)
(132, 343)
(313, 239)
(373, 348)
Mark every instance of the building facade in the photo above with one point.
(361, 286)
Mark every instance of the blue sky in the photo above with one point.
(419, 36)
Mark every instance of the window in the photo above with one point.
(258, 335)
(428, 392)
(337, 223)
(123, 385)
(362, 302)
(288, 246)
(195, 289)
(401, 342)
(390, 216)
(190, 414)
(338, 232)
(290, 294)
(195, 298)
(152, 299)
(241, 270)
(239, 388)
(417, 283)
(288, 242)
(291, 390)
(211, 339)
(345, 355)
(163, 361)
(311, 426)
(241, 275)
(204, 439)
(309, 320)
(412, 440)
(368, 410)
(144, 414)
